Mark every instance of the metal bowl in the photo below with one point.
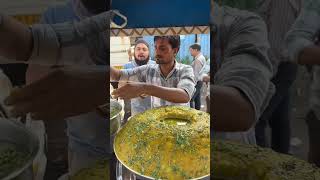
(115, 120)
(16, 134)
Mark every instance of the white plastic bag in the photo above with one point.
(40, 161)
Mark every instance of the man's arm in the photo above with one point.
(16, 39)
(68, 91)
(136, 89)
(300, 39)
(42, 43)
(180, 94)
(175, 95)
(232, 111)
(115, 74)
(197, 68)
(126, 74)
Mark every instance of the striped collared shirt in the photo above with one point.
(181, 76)
(279, 16)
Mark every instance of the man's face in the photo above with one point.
(192, 51)
(141, 52)
(164, 52)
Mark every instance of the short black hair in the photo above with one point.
(196, 46)
(174, 41)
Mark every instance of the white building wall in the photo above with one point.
(118, 50)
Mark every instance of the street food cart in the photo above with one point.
(152, 18)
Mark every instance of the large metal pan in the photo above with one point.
(124, 172)
(16, 134)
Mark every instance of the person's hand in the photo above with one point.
(206, 78)
(63, 93)
(130, 90)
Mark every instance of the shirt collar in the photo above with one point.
(171, 72)
(198, 56)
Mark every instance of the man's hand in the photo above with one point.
(130, 90)
(206, 78)
(137, 89)
(114, 74)
(63, 93)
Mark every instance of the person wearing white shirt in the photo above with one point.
(198, 65)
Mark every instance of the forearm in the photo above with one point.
(174, 95)
(114, 74)
(42, 43)
(51, 39)
(16, 39)
(310, 56)
(231, 110)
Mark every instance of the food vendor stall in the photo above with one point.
(136, 147)
(230, 160)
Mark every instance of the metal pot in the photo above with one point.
(123, 172)
(115, 121)
(16, 134)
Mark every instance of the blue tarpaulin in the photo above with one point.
(163, 13)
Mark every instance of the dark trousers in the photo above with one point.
(277, 114)
(196, 99)
(313, 124)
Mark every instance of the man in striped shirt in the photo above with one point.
(167, 82)
(198, 65)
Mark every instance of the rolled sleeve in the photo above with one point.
(187, 81)
(50, 40)
(139, 73)
(246, 65)
(46, 47)
(304, 30)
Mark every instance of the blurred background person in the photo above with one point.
(198, 64)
